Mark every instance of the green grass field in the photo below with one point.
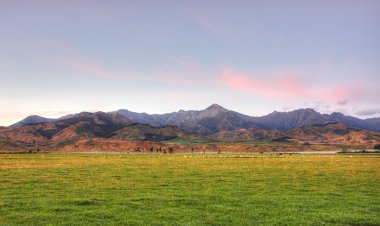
(109, 189)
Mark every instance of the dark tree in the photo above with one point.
(171, 150)
(151, 149)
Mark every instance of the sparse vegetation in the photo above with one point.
(188, 141)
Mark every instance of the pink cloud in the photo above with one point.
(88, 68)
(284, 85)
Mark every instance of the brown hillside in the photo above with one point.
(142, 132)
(331, 133)
(334, 133)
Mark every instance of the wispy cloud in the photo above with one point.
(56, 52)
(209, 23)
(202, 20)
(342, 102)
(175, 69)
(368, 111)
(320, 105)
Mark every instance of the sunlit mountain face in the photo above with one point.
(213, 127)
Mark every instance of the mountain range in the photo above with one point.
(216, 118)
(120, 130)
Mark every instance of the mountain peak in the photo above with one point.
(32, 119)
(308, 110)
(336, 115)
(33, 116)
(216, 107)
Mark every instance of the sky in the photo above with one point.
(251, 56)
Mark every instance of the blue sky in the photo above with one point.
(60, 57)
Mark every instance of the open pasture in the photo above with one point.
(145, 189)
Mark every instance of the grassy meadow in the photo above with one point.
(152, 189)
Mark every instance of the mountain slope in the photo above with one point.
(303, 117)
(143, 132)
(353, 122)
(290, 120)
(83, 125)
(330, 133)
(374, 124)
(87, 124)
(335, 133)
(250, 134)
